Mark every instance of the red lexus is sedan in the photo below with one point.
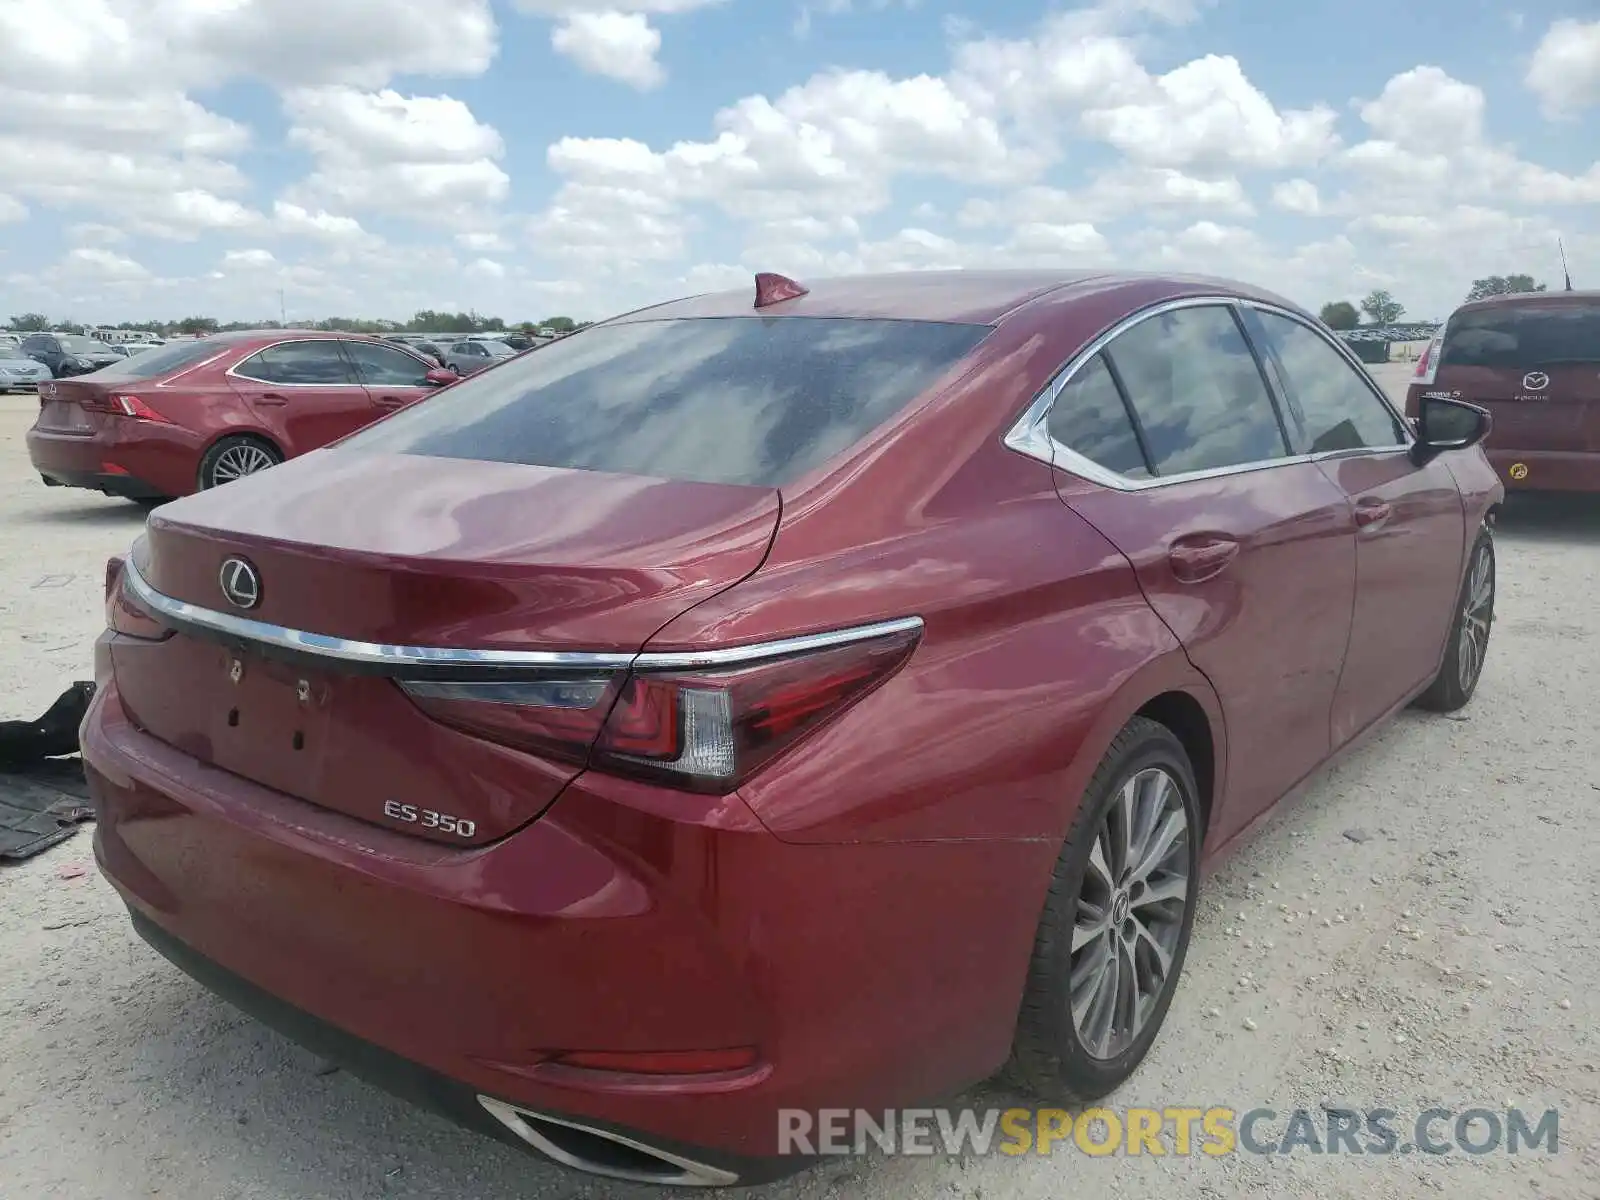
(196, 414)
(819, 699)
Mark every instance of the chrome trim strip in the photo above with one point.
(680, 1172)
(1029, 436)
(733, 656)
(182, 613)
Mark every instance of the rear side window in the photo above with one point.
(741, 400)
(149, 364)
(1523, 337)
(1331, 407)
(1089, 418)
(303, 363)
(384, 366)
(1197, 391)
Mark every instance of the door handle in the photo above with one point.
(391, 401)
(1197, 559)
(1371, 513)
(271, 398)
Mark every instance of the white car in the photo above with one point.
(17, 370)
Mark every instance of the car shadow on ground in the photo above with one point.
(107, 512)
(1551, 517)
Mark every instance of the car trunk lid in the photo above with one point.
(73, 406)
(369, 553)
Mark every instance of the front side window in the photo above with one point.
(383, 366)
(1197, 391)
(737, 400)
(1089, 418)
(1330, 405)
(298, 363)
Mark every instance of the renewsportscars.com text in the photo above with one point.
(1179, 1131)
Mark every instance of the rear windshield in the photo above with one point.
(1522, 338)
(743, 400)
(79, 344)
(148, 364)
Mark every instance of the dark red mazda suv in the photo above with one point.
(819, 699)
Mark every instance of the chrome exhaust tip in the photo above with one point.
(602, 1152)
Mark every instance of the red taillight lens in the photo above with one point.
(135, 407)
(559, 716)
(1428, 364)
(702, 729)
(122, 614)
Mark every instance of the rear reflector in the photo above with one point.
(704, 729)
(664, 1062)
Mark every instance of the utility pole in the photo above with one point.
(283, 313)
(1564, 271)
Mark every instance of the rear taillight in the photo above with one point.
(135, 407)
(1428, 364)
(702, 728)
(122, 614)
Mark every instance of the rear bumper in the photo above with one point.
(139, 460)
(619, 922)
(1547, 470)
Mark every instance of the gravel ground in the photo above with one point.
(1448, 957)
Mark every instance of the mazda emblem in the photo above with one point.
(1536, 381)
(240, 583)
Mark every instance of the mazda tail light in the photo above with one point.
(1428, 364)
(703, 728)
(123, 615)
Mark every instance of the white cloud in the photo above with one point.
(294, 221)
(103, 264)
(250, 260)
(12, 209)
(1297, 196)
(622, 46)
(426, 157)
(1565, 70)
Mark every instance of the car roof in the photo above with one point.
(1541, 299)
(960, 297)
(238, 337)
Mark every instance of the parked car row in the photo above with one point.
(819, 702)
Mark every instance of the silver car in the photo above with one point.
(17, 370)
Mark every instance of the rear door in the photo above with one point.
(1535, 365)
(1246, 551)
(393, 377)
(1410, 525)
(306, 393)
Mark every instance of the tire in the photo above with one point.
(1468, 644)
(233, 457)
(1052, 1057)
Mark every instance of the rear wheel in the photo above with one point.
(234, 458)
(1116, 922)
(1469, 633)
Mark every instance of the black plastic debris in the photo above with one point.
(43, 795)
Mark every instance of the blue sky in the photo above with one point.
(369, 157)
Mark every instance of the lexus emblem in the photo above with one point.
(240, 583)
(1536, 381)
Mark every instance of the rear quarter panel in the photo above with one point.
(1038, 643)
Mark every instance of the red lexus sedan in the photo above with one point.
(193, 415)
(820, 701)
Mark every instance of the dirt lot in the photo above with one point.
(1450, 957)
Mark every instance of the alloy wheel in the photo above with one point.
(1477, 614)
(238, 461)
(1130, 913)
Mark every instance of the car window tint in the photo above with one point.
(298, 363)
(741, 400)
(1090, 418)
(163, 360)
(1330, 405)
(384, 366)
(1197, 391)
(1523, 337)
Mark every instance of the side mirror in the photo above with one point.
(1443, 424)
(441, 376)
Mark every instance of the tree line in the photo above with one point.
(1381, 308)
(424, 321)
